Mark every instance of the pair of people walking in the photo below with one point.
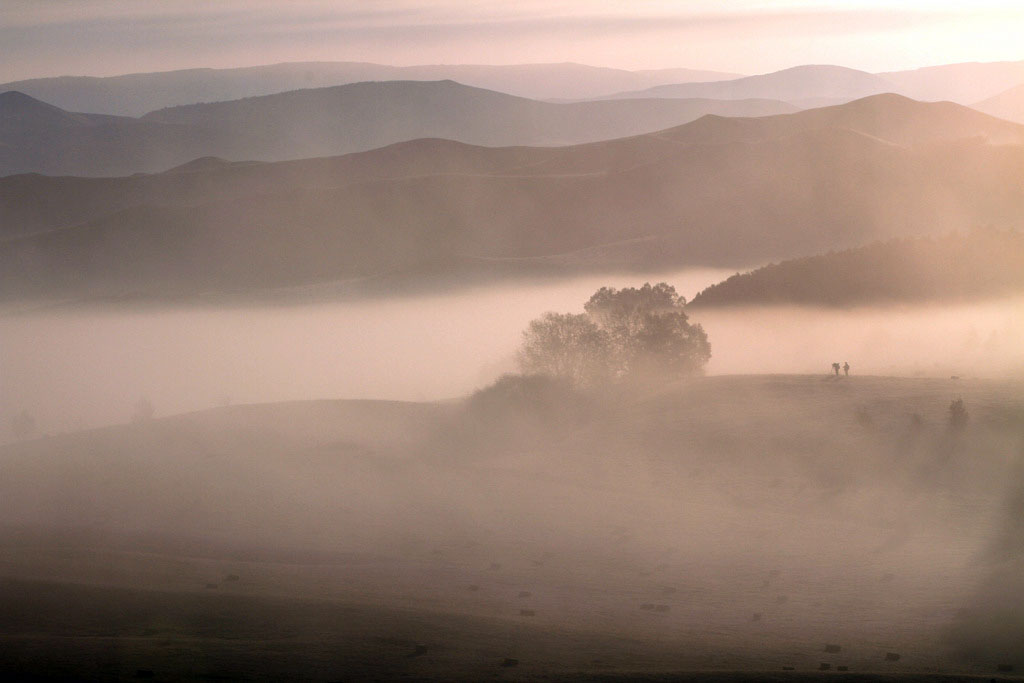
(845, 368)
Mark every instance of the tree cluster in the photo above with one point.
(635, 333)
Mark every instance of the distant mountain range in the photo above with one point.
(1008, 104)
(821, 85)
(39, 138)
(983, 263)
(136, 94)
(805, 86)
(717, 191)
(798, 83)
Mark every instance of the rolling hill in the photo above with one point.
(40, 138)
(822, 85)
(982, 264)
(797, 83)
(1007, 105)
(717, 191)
(36, 137)
(136, 94)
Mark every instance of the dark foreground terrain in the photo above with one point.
(746, 528)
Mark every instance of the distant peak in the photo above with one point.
(200, 164)
(17, 96)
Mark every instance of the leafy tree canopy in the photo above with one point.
(628, 333)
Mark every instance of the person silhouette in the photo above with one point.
(835, 368)
(846, 368)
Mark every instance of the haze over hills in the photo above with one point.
(41, 138)
(1008, 104)
(822, 85)
(962, 83)
(38, 137)
(363, 116)
(385, 533)
(983, 263)
(797, 83)
(717, 191)
(136, 94)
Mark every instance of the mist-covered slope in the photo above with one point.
(363, 116)
(720, 522)
(36, 137)
(820, 85)
(1008, 104)
(964, 83)
(980, 264)
(717, 191)
(136, 94)
(796, 83)
(39, 138)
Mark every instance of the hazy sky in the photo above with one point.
(103, 37)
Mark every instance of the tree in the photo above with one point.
(565, 345)
(628, 333)
(650, 333)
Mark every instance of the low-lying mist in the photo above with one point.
(83, 368)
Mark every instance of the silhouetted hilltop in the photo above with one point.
(983, 263)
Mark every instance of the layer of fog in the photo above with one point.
(80, 369)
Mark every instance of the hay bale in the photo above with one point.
(525, 594)
(842, 668)
(527, 613)
(756, 617)
(1005, 668)
(892, 656)
(509, 662)
(231, 578)
(662, 608)
(211, 585)
(419, 651)
(647, 606)
(832, 648)
(824, 666)
(473, 587)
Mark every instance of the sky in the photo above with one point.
(107, 37)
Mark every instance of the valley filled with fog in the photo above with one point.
(89, 367)
(430, 353)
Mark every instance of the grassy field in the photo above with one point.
(737, 525)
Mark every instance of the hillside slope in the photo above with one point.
(1008, 104)
(796, 83)
(536, 528)
(984, 263)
